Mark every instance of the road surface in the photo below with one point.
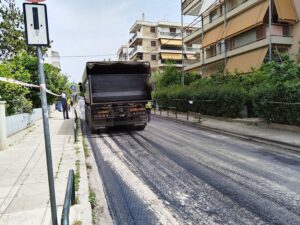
(173, 173)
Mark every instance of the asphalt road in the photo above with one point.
(174, 173)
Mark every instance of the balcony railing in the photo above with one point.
(170, 34)
(173, 48)
(190, 49)
(134, 50)
(186, 3)
(278, 30)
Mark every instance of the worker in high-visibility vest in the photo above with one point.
(148, 110)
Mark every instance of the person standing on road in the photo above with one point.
(148, 110)
(65, 106)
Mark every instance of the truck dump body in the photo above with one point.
(119, 81)
(120, 89)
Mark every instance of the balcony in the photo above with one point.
(135, 50)
(173, 35)
(191, 50)
(191, 7)
(137, 35)
(175, 49)
(164, 62)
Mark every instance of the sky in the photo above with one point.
(98, 27)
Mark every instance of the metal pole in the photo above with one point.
(182, 50)
(270, 27)
(225, 21)
(47, 136)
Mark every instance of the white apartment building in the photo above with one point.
(52, 57)
(159, 43)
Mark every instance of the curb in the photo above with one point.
(285, 145)
(83, 211)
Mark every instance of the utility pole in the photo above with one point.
(47, 136)
(182, 47)
(270, 30)
(36, 31)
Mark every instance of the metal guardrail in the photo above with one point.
(75, 126)
(69, 199)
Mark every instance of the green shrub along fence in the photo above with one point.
(271, 93)
(219, 101)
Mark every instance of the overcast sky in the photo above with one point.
(99, 27)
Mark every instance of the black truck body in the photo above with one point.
(115, 94)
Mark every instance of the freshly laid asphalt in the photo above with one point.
(199, 176)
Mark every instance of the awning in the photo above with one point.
(171, 56)
(247, 20)
(244, 62)
(213, 36)
(191, 57)
(171, 42)
(286, 10)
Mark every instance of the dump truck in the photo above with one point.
(115, 94)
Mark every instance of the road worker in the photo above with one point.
(148, 110)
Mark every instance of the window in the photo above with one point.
(153, 57)
(213, 15)
(152, 30)
(172, 30)
(153, 43)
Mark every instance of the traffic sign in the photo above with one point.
(72, 87)
(36, 24)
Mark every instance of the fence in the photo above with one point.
(20, 122)
(69, 199)
(10, 125)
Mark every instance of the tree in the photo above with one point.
(172, 76)
(14, 95)
(12, 39)
(55, 81)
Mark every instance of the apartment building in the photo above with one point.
(159, 43)
(235, 35)
(123, 53)
(52, 57)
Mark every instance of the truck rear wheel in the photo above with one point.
(140, 127)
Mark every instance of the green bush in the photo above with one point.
(271, 92)
(275, 98)
(212, 100)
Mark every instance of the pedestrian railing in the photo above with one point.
(75, 126)
(175, 111)
(69, 199)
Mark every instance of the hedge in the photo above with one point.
(273, 92)
(227, 101)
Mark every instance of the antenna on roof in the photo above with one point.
(143, 16)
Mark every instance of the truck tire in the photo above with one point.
(86, 119)
(93, 130)
(140, 128)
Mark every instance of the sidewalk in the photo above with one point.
(24, 192)
(246, 128)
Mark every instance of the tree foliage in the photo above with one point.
(19, 62)
(171, 75)
(12, 39)
(14, 95)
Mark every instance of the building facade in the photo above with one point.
(53, 58)
(123, 53)
(235, 35)
(159, 43)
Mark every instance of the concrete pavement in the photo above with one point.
(244, 127)
(24, 193)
